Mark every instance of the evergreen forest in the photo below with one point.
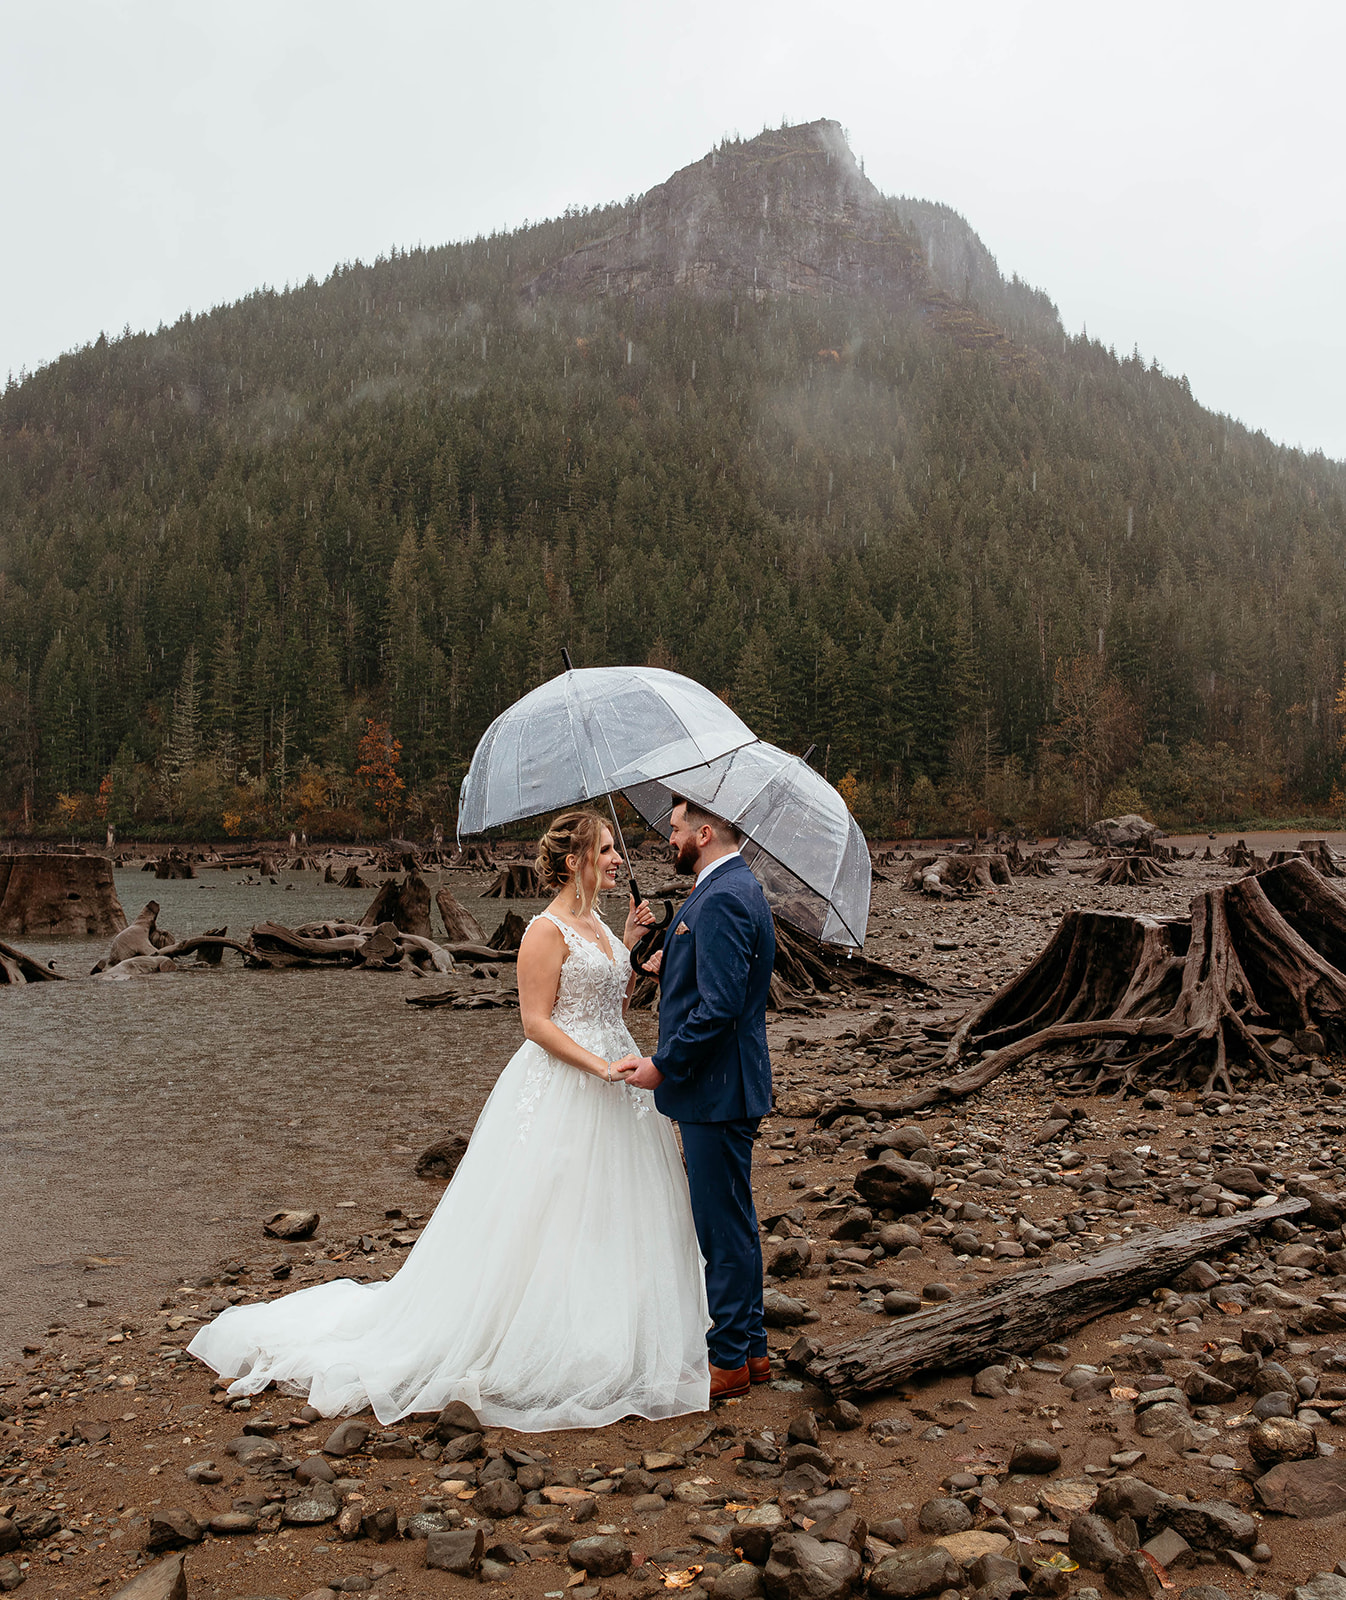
(996, 574)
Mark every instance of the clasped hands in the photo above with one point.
(639, 1071)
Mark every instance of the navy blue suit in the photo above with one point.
(717, 1086)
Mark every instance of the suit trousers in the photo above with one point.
(719, 1175)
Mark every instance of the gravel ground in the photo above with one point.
(1199, 1389)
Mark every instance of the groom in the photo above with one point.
(712, 1075)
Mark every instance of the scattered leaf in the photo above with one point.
(1163, 1576)
(682, 1580)
(1119, 1391)
(1058, 1563)
(1231, 1308)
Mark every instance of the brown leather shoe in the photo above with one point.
(759, 1369)
(727, 1383)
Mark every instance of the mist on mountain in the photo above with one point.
(762, 424)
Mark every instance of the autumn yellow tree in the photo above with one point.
(377, 772)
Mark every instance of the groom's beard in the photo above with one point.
(685, 861)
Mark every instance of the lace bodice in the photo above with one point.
(589, 1000)
(589, 1008)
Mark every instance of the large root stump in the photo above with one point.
(1185, 1003)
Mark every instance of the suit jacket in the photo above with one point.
(712, 1003)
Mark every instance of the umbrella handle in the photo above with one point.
(635, 887)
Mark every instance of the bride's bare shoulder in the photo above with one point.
(542, 937)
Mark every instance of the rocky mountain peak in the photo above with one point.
(789, 212)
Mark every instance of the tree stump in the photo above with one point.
(1321, 859)
(1186, 1003)
(57, 896)
(509, 935)
(1239, 855)
(517, 881)
(1131, 869)
(460, 926)
(352, 878)
(476, 857)
(406, 905)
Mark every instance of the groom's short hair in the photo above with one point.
(698, 817)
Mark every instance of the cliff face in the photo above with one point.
(789, 213)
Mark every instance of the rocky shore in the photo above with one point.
(1193, 1440)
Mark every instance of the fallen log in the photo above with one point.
(480, 952)
(16, 967)
(1028, 1310)
(957, 871)
(210, 947)
(139, 938)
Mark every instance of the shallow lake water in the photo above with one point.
(147, 1127)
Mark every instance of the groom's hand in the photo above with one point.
(640, 1072)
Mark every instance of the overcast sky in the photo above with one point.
(1171, 174)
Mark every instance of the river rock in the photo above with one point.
(973, 1545)
(165, 1580)
(601, 1556)
(440, 1161)
(11, 1576)
(1134, 1577)
(502, 1497)
(739, 1581)
(172, 1528)
(459, 1551)
(896, 1185)
(10, 1538)
(804, 1568)
(455, 1421)
(1092, 1542)
(783, 1310)
(312, 1504)
(346, 1438)
(912, 1574)
(254, 1449)
(1307, 1488)
(943, 1514)
(790, 1259)
(1207, 1524)
(1321, 1586)
(291, 1224)
(1034, 1456)
(225, 1524)
(1278, 1439)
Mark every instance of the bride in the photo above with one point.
(559, 1283)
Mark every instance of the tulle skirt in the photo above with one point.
(558, 1284)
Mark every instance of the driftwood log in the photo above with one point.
(1190, 1003)
(460, 926)
(1028, 1310)
(405, 904)
(517, 881)
(16, 967)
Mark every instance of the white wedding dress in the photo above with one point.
(558, 1284)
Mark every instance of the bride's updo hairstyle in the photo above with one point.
(573, 833)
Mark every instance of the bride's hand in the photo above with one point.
(638, 918)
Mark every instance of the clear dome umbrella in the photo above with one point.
(801, 840)
(589, 733)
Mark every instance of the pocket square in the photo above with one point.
(682, 928)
